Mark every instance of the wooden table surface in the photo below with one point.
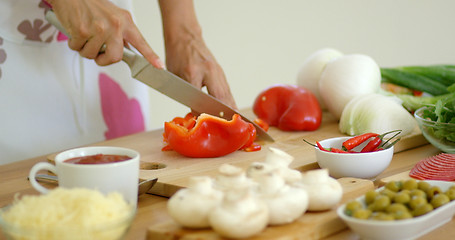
(152, 208)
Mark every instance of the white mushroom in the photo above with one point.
(324, 192)
(240, 215)
(257, 169)
(231, 176)
(281, 160)
(285, 203)
(191, 206)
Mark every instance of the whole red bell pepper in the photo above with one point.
(210, 136)
(288, 107)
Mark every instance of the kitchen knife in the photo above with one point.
(173, 86)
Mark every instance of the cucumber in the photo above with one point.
(413, 81)
(444, 74)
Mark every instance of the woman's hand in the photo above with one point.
(92, 23)
(186, 52)
(190, 59)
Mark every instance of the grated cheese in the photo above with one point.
(63, 214)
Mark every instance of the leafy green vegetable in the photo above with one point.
(414, 81)
(443, 112)
(412, 103)
(436, 80)
(444, 74)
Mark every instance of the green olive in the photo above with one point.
(424, 186)
(370, 196)
(451, 193)
(351, 207)
(402, 197)
(393, 186)
(422, 209)
(406, 191)
(433, 191)
(396, 207)
(417, 201)
(418, 193)
(410, 184)
(439, 200)
(400, 200)
(402, 215)
(382, 216)
(387, 192)
(362, 213)
(380, 203)
(371, 207)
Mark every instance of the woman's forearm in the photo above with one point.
(179, 20)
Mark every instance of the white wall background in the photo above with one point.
(262, 42)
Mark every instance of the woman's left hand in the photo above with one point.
(186, 52)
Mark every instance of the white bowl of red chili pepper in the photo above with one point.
(352, 162)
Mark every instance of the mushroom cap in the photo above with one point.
(240, 215)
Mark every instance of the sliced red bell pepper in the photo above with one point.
(188, 121)
(289, 107)
(210, 136)
(261, 123)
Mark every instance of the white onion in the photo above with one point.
(375, 113)
(310, 71)
(347, 77)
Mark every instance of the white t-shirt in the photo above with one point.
(51, 99)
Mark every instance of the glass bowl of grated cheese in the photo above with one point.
(67, 214)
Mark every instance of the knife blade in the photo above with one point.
(173, 86)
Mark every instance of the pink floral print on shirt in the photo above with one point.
(122, 115)
(32, 29)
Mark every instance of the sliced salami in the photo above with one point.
(439, 167)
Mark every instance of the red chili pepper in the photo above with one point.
(334, 150)
(210, 137)
(357, 140)
(289, 107)
(320, 146)
(372, 145)
(337, 150)
(377, 143)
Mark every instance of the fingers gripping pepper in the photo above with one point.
(210, 136)
(289, 107)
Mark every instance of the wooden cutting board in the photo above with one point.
(397, 177)
(173, 170)
(311, 225)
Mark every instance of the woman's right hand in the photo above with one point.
(92, 23)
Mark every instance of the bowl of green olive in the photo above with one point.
(400, 210)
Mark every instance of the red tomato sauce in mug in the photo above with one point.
(98, 159)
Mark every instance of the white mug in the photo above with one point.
(119, 177)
